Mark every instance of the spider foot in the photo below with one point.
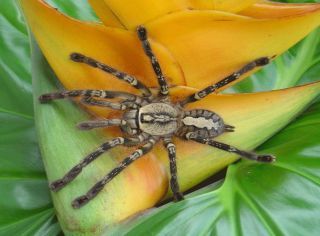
(45, 98)
(266, 158)
(77, 57)
(80, 201)
(178, 197)
(85, 126)
(55, 186)
(142, 32)
(262, 61)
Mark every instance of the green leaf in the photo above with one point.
(302, 58)
(14, 62)
(23, 186)
(25, 203)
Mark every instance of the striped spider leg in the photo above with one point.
(228, 148)
(84, 199)
(227, 80)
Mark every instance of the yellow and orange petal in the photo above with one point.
(59, 36)
(232, 5)
(134, 13)
(269, 9)
(105, 14)
(218, 43)
(205, 34)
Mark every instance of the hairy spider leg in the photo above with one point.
(228, 148)
(77, 57)
(174, 184)
(94, 102)
(75, 171)
(93, 124)
(123, 105)
(130, 100)
(234, 76)
(142, 34)
(82, 200)
(88, 93)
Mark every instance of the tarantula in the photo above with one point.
(147, 119)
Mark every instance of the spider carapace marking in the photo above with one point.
(158, 119)
(148, 119)
(163, 119)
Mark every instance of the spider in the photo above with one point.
(148, 119)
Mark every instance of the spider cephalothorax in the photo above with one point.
(147, 119)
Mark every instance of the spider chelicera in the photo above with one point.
(147, 119)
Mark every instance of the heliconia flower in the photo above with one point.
(195, 48)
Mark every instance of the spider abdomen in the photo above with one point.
(159, 119)
(203, 123)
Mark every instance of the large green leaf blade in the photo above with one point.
(25, 203)
(14, 62)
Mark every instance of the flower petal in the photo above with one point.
(105, 13)
(209, 47)
(134, 13)
(268, 9)
(59, 36)
(138, 12)
(232, 5)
